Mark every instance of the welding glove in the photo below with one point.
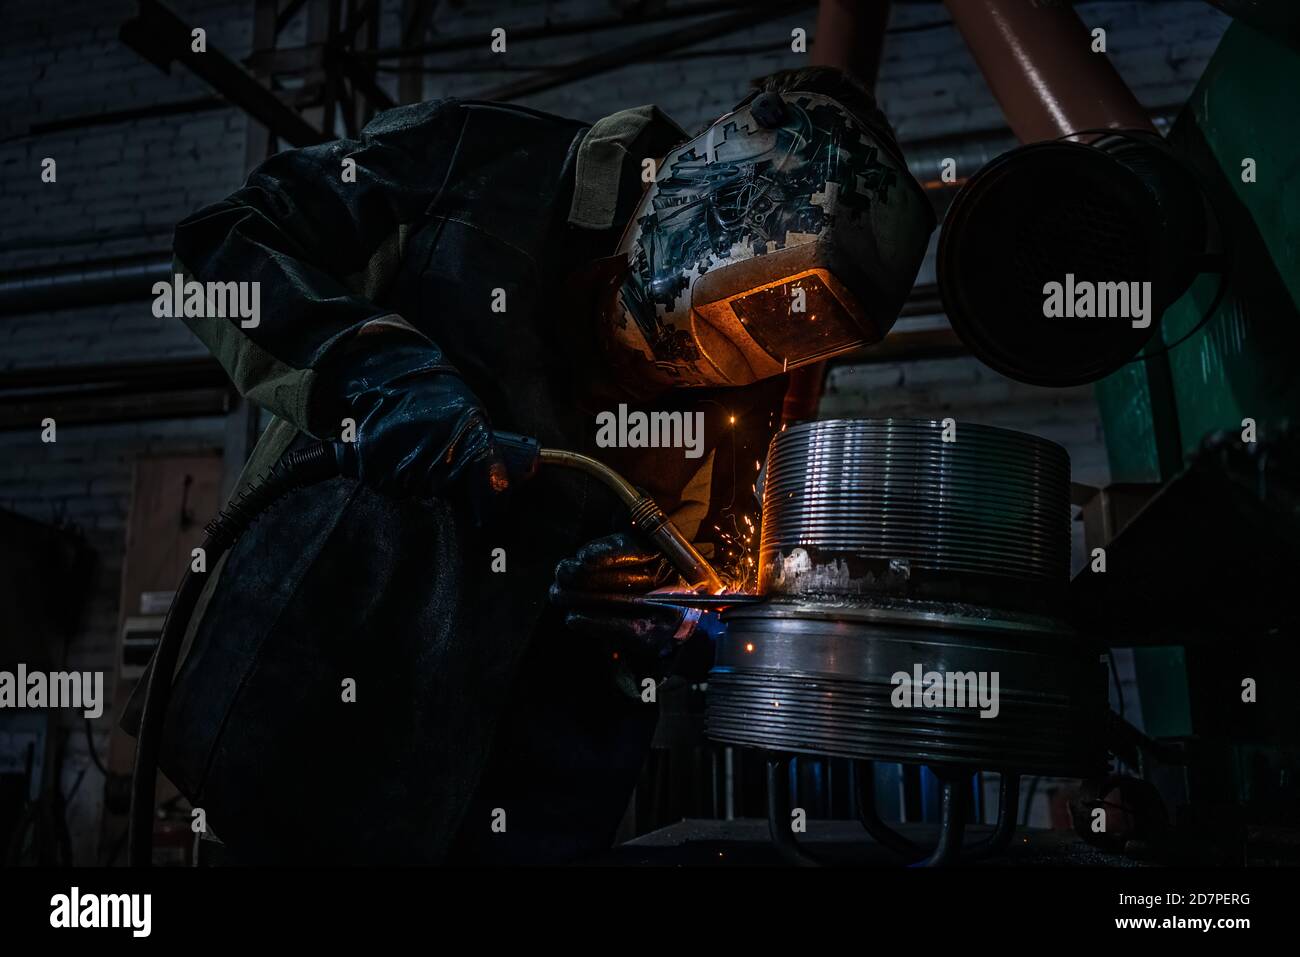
(420, 431)
(604, 590)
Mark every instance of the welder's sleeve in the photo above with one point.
(323, 238)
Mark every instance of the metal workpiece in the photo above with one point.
(887, 507)
(813, 679)
(895, 548)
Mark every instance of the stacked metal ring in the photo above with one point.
(913, 508)
(894, 545)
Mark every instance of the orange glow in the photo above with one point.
(732, 420)
(735, 558)
(749, 646)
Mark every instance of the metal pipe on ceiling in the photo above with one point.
(88, 284)
(1040, 66)
(851, 36)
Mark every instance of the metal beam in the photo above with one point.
(161, 37)
(286, 15)
(201, 370)
(416, 17)
(301, 59)
(114, 392)
(643, 49)
(570, 28)
(850, 36)
(88, 283)
(241, 415)
(364, 83)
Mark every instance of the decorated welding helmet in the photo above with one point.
(788, 232)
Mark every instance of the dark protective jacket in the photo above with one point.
(474, 706)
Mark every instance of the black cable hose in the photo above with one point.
(296, 470)
(90, 747)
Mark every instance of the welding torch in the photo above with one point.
(523, 457)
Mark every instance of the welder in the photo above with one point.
(422, 660)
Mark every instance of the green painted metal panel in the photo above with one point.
(1245, 362)
(1162, 687)
(1124, 402)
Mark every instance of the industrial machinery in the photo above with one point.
(914, 572)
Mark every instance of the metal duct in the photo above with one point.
(1123, 214)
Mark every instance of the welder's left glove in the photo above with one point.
(420, 430)
(604, 590)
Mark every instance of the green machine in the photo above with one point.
(1237, 133)
(1199, 577)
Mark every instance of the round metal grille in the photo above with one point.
(1031, 217)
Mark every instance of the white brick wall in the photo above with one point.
(121, 189)
(83, 481)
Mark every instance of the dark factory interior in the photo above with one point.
(985, 563)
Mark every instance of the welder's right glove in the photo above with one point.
(420, 431)
(603, 590)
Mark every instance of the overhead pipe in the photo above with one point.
(89, 284)
(1039, 65)
(850, 35)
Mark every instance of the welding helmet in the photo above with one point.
(788, 232)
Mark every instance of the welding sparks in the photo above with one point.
(736, 552)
